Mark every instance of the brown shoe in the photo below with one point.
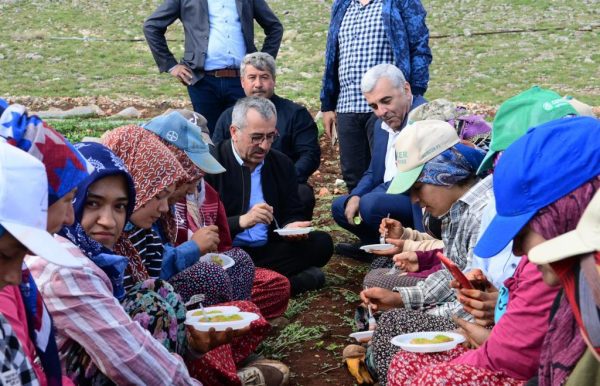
(264, 372)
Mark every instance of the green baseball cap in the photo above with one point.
(517, 114)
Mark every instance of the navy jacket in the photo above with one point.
(298, 135)
(373, 177)
(194, 17)
(404, 23)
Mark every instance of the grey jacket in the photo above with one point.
(194, 16)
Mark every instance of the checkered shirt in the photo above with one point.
(363, 44)
(460, 230)
(12, 356)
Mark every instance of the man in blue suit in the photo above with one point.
(389, 95)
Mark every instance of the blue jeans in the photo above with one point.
(355, 133)
(211, 96)
(373, 208)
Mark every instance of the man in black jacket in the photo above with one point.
(298, 133)
(218, 33)
(260, 194)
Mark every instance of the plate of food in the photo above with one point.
(429, 341)
(293, 231)
(376, 247)
(362, 336)
(218, 258)
(197, 313)
(223, 321)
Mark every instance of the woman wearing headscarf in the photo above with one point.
(441, 175)
(201, 208)
(65, 168)
(538, 196)
(155, 172)
(572, 260)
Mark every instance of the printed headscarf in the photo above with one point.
(65, 166)
(150, 163)
(153, 168)
(452, 166)
(105, 163)
(563, 346)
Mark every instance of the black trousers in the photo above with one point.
(307, 197)
(292, 257)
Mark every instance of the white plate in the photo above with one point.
(293, 231)
(247, 318)
(376, 247)
(362, 336)
(228, 262)
(403, 341)
(197, 313)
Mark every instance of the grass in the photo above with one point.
(293, 335)
(96, 48)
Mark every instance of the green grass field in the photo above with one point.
(96, 48)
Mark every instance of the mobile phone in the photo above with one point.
(455, 271)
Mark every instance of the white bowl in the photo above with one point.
(403, 341)
(228, 262)
(362, 336)
(376, 247)
(191, 314)
(293, 231)
(247, 318)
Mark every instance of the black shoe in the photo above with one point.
(311, 278)
(353, 251)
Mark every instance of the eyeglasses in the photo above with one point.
(257, 139)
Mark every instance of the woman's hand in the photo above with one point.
(398, 246)
(473, 333)
(407, 261)
(391, 228)
(481, 303)
(381, 299)
(204, 341)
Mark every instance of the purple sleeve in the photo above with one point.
(428, 263)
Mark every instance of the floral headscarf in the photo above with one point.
(153, 168)
(105, 163)
(452, 166)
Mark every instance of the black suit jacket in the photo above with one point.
(298, 135)
(278, 178)
(194, 16)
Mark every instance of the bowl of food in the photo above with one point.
(218, 258)
(223, 321)
(428, 341)
(197, 313)
(293, 231)
(376, 247)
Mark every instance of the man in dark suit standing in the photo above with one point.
(389, 96)
(218, 33)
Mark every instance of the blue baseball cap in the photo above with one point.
(173, 128)
(548, 162)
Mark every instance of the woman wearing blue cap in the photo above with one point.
(541, 190)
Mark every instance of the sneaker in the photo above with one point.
(264, 372)
(311, 278)
(353, 251)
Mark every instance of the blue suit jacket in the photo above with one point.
(373, 177)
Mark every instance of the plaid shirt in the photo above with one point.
(13, 358)
(460, 230)
(85, 311)
(363, 44)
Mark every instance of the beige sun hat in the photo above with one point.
(584, 239)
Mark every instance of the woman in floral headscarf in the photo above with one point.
(155, 172)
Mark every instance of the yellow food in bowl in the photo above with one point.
(221, 318)
(199, 312)
(435, 340)
(217, 260)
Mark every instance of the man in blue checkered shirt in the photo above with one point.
(362, 34)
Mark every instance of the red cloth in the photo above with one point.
(268, 284)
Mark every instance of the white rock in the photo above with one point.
(129, 112)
